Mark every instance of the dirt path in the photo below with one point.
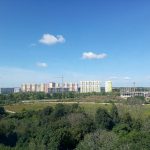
(12, 112)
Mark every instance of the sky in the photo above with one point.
(41, 40)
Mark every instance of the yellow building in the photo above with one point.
(108, 86)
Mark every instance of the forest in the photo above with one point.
(69, 127)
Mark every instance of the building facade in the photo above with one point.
(9, 90)
(50, 87)
(73, 87)
(132, 92)
(90, 86)
(108, 86)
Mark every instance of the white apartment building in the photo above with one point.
(73, 87)
(44, 87)
(28, 87)
(17, 89)
(108, 86)
(23, 87)
(51, 86)
(38, 88)
(65, 85)
(33, 87)
(89, 86)
(57, 85)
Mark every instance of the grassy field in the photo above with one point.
(88, 107)
(137, 111)
(27, 106)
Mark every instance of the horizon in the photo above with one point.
(83, 40)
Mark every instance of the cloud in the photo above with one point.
(42, 64)
(91, 55)
(127, 78)
(50, 39)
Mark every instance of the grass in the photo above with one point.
(28, 106)
(91, 108)
(136, 111)
(88, 107)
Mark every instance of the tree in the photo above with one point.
(127, 119)
(122, 129)
(2, 111)
(137, 100)
(103, 119)
(46, 111)
(146, 125)
(81, 124)
(114, 114)
(134, 141)
(60, 110)
(62, 140)
(99, 140)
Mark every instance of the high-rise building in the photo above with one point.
(44, 87)
(108, 86)
(17, 89)
(66, 85)
(57, 85)
(89, 86)
(73, 87)
(6, 90)
(28, 87)
(33, 87)
(50, 87)
(23, 87)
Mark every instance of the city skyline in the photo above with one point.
(81, 40)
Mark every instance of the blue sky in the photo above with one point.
(81, 39)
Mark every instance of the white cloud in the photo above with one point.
(42, 64)
(91, 55)
(50, 39)
(127, 78)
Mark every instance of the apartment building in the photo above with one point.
(9, 90)
(50, 87)
(108, 86)
(89, 86)
(34, 87)
(73, 87)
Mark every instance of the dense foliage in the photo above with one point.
(17, 97)
(68, 127)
